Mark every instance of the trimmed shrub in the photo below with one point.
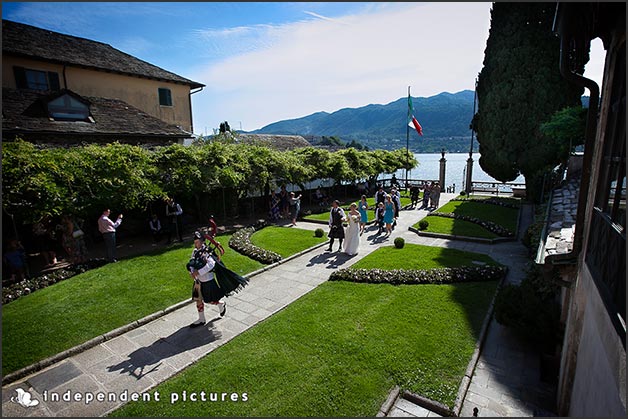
(241, 242)
(415, 276)
(319, 232)
(399, 242)
(423, 224)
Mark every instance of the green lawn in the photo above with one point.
(416, 256)
(338, 350)
(85, 306)
(276, 239)
(506, 217)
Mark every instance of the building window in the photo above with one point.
(606, 250)
(165, 97)
(26, 78)
(68, 108)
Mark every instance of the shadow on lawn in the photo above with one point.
(146, 360)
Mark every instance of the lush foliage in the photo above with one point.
(516, 94)
(81, 181)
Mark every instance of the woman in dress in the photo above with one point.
(352, 235)
(389, 214)
(362, 207)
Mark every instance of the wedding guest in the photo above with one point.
(352, 234)
(336, 230)
(108, 230)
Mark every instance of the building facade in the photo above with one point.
(37, 64)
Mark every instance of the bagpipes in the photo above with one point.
(227, 280)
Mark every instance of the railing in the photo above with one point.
(496, 188)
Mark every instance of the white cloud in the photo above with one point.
(297, 69)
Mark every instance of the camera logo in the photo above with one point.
(24, 399)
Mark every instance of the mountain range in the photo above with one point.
(445, 120)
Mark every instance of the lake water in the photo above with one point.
(455, 169)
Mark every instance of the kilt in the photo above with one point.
(224, 283)
(336, 232)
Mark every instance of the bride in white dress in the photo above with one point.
(352, 234)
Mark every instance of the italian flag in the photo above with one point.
(412, 121)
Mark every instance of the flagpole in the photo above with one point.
(407, 142)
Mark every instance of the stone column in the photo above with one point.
(467, 183)
(441, 177)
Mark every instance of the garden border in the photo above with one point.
(46, 362)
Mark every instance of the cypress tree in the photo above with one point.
(519, 88)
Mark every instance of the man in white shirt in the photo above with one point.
(108, 230)
(206, 289)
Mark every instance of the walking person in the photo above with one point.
(295, 206)
(363, 206)
(174, 213)
(435, 195)
(352, 241)
(389, 214)
(108, 230)
(379, 217)
(336, 230)
(396, 199)
(212, 280)
(426, 195)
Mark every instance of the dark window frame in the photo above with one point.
(23, 81)
(165, 96)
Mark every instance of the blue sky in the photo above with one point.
(265, 62)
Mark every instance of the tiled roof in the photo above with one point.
(279, 142)
(28, 41)
(25, 112)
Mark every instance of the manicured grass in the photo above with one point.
(506, 217)
(416, 256)
(337, 351)
(285, 243)
(85, 306)
(455, 227)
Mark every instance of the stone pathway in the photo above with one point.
(136, 361)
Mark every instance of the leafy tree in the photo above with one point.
(33, 184)
(565, 130)
(519, 88)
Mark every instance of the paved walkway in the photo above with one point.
(144, 356)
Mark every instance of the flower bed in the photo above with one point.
(490, 226)
(14, 291)
(429, 276)
(241, 242)
(491, 201)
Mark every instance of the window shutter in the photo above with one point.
(165, 97)
(20, 77)
(53, 81)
